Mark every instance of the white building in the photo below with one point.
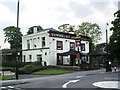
(48, 44)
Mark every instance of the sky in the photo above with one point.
(53, 13)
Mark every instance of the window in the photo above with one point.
(59, 45)
(39, 57)
(28, 44)
(72, 45)
(30, 58)
(43, 41)
(82, 47)
(24, 58)
(34, 42)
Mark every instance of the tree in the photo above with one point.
(85, 29)
(11, 36)
(66, 28)
(30, 31)
(114, 44)
(90, 30)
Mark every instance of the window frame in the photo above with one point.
(73, 48)
(43, 42)
(82, 46)
(57, 47)
(28, 44)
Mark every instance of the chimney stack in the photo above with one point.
(35, 29)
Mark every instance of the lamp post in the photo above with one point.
(16, 73)
(108, 63)
(107, 40)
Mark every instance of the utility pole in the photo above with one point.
(16, 73)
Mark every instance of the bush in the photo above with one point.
(13, 64)
(35, 66)
(87, 66)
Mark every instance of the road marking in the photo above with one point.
(3, 88)
(79, 76)
(7, 87)
(10, 86)
(71, 81)
(107, 84)
(111, 78)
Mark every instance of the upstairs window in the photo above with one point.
(28, 44)
(82, 47)
(59, 45)
(43, 41)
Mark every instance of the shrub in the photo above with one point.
(35, 66)
(87, 66)
(13, 64)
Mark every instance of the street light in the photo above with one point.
(107, 39)
(108, 63)
(16, 73)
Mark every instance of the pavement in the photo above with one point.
(29, 78)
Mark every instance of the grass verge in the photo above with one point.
(6, 77)
(52, 71)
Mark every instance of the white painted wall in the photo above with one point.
(51, 42)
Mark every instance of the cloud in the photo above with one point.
(99, 5)
(52, 13)
(79, 9)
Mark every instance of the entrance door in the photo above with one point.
(59, 59)
(72, 60)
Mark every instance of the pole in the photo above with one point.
(107, 40)
(107, 62)
(17, 40)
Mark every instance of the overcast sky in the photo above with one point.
(53, 13)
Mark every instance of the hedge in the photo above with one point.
(35, 66)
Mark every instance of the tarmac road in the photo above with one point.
(82, 79)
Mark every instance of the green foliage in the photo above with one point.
(30, 31)
(7, 68)
(6, 77)
(35, 66)
(13, 64)
(89, 66)
(90, 30)
(11, 36)
(52, 71)
(66, 28)
(85, 29)
(114, 44)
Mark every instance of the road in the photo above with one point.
(88, 79)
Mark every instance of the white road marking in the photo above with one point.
(107, 84)
(7, 87)
(3, 87)
(71, 81)
(79, 76)
(10, 86)
(111, 78)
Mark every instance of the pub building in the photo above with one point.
(55, 47)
